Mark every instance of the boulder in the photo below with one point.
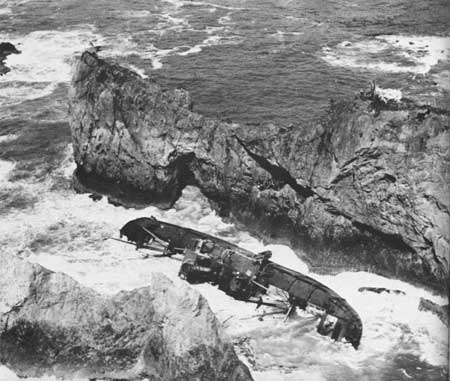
(52, 325)
(365, 188)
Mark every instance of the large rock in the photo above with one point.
(366, 188)
(50, 324)
(6, 48)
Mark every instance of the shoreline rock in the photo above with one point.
(442, 312)
(52, 325)
(366, 188)
(6, 48)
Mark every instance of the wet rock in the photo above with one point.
(366, 189)
(52, 325)
(380, 290)
(6, 48)
(95, 197)
(441, 311)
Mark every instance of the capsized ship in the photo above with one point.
(245, 275)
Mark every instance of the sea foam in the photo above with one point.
(69, 232)
(45, 60)
(392, 53)
(6, 167)
(46, 56)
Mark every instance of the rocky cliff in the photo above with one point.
(50, 324)
(366, 188)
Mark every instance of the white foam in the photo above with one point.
(137, 70)
(16, 93)
(46, 56)
(176, 3)
(181, 3)
(5, 11)
(389, 94)
(6, 167)
(45, 60)
(392, 53)
(124, 46)
(194, 49)
(210, 41)
(8, 138)
(179, 21)
(68, 232)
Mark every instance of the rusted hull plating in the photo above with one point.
(244, 274)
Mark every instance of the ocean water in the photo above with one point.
(250, 61)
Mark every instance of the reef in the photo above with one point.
(6, 48)
(364, 188)
(52, 325)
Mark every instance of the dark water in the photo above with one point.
(249, 61)
(267, 64)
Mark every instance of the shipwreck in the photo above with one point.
(245, 275)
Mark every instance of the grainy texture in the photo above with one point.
(50, 324)
(365, 188)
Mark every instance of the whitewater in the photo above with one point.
(240, 63)
(69, 232)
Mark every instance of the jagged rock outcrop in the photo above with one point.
(50, 324)
(6, 48)
(366, 188)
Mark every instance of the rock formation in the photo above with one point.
(366, 188)
(442, 312)
(6, 48)
(50, 324)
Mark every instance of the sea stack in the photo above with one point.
(366, 189)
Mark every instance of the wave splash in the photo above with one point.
(69, 232)
(45, 60)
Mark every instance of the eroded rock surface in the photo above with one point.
(366, 188)
(50, 324)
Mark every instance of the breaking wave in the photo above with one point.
(46, 56)
(45, 60)
(69, 232)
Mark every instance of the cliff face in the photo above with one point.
(366, 188)
(50, 324)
